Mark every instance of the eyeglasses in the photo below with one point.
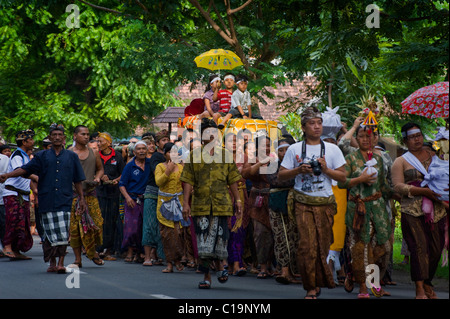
(413, 137)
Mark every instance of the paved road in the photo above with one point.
(120, 280)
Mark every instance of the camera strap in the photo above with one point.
(322, 149)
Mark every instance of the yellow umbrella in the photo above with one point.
(218, 59)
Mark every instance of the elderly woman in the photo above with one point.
(367, 219)
(423, 232)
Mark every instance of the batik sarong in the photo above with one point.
(84, 233)
(172, 242)
(212, 239)
(17, 224)
(314, 224)
(425, 242)
(285, 238)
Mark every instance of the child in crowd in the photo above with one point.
(5, 150)
(241, 104)
(224, 97)
(212, 106)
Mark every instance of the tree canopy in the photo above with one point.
(122, 65)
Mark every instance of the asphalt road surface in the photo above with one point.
(117, 280)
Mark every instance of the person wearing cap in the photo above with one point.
(16, 197)
(314, 164)
(57, 169)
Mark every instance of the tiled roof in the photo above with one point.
(169, 115)
(269, 111)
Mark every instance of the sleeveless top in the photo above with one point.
(89, 168)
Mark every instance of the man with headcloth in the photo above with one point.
(314, 164)
(108, 193)
(56, 168)
(16, 197)
(207, 176)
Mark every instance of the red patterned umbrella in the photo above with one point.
(430, 101)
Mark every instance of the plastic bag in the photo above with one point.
(331, 122)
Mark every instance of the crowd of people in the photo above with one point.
(320, 218)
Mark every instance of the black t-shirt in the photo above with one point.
(113, 167)
(156, 159)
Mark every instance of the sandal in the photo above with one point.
(167, 270)
(147, 263)
(262, 275)
(128, 259)
(179, 267)
(240, 272)
(61, 270)
(205, 284)
(52, 269)
(10, 255)
(222, 276)
(98, 261)
(282, 280)
(348, 285)
(157, 262)
(363, 296)
(76, 264)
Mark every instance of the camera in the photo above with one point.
(316, 167)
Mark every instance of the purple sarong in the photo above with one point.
(132, 228)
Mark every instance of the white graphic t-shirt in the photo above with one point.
(313, 185)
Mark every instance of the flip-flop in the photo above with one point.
(282, 280)
(222, 276)
(240, 272)
(51, 269)
(262, 275)
(61, 270)
(147, 263)
(363, 296)
(205, 284)
(98, 261)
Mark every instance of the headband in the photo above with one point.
(229, 76)
(106, 136)
(140, 142)
(310, 113)
(410, 132)
(283, 145)
(214, 80)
